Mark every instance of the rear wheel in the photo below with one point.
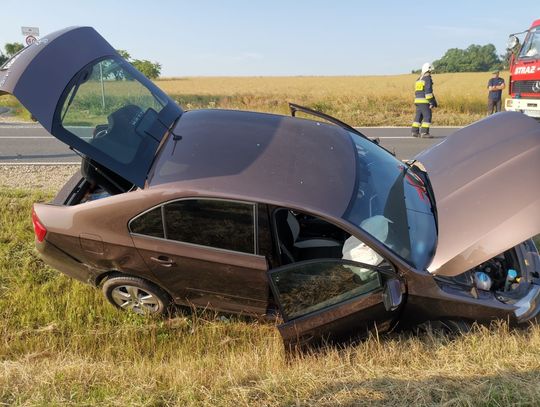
(136, 295)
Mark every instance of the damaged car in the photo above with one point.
(305, 221)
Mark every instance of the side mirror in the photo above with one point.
(512, 43)
(392, 295)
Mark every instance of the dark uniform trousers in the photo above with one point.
(422, 118)
(494, 106)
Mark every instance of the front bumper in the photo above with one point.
(530, 107)
(529, 306)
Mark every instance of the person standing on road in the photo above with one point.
(425, 101)
(495, 88)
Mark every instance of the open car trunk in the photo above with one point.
(89, 183)
(83, 93)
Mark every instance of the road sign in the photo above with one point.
(30, 40)
(33, 31)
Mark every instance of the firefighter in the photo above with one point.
(424, 101)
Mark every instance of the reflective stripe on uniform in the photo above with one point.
(429, 95)
(416, 124)
(419, 85)
(421, 100)
(426, 125)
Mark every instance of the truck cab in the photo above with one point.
(524, 86)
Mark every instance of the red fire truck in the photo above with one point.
(524, 80)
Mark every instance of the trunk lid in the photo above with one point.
(486, 187)
(87, 96)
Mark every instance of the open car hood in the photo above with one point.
(485, 178)
(56, 79)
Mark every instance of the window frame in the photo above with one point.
(254, 214)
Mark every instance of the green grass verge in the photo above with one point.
(62, 344)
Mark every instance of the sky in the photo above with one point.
(278, 37)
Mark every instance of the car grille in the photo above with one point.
(525, 87)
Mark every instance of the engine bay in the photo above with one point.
(501, 274)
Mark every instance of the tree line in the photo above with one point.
(149, 69)
(474, 58)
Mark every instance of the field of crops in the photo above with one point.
(62, 344)
(358, 100)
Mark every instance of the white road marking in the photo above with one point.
(39, 163)
(32, 137)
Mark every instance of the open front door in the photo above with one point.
(333, 299)
(87, 96)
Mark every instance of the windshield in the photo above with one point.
(385, 186)
(531, 46)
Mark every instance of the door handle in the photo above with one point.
(163, 261)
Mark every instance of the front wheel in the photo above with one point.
(136, 295)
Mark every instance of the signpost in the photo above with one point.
(26, 31)
(31, 34)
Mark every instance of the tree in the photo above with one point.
(124, 54)
(476, 58)
(149, 69)
(11, 49)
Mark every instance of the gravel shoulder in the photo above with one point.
(46, 177)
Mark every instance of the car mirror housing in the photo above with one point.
(392, 294)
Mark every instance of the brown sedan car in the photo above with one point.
(271, 215)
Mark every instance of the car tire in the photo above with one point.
(136, 295)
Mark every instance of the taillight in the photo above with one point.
(39, 229)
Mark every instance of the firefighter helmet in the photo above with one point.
(427, 67)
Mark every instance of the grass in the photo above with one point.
(358, 100)
(62, 344)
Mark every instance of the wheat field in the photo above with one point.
(357, 100)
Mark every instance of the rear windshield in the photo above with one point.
(110, 109)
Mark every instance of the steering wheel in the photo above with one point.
(101, 130)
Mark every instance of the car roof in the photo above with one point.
(259, 157)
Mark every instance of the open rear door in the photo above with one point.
(83, 93)
(328, 300)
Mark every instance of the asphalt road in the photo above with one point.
(30, 143)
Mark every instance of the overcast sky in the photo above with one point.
(278, 37)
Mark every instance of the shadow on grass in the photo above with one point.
(501, 389)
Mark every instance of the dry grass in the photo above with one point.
(62, 344)
(358, 100)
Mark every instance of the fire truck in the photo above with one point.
(524, 88)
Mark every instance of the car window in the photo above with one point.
(215, 223)
(307, 287)
(149, 223)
